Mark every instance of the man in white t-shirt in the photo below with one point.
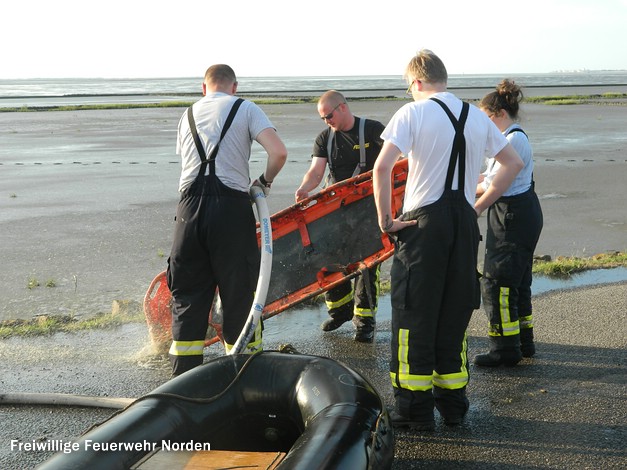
(435, 286)
(215, 242)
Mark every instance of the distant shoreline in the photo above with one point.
(617, 96)
(295, 93)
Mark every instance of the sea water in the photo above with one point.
(89, 87)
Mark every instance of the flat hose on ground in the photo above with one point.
(64, 399)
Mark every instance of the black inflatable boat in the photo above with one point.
(313, 412)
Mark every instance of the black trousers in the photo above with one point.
(435, 289)
(514, 226)
(215, 246)
(343, 301)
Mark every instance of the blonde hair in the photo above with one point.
(426, 67)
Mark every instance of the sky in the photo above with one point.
(153, 39)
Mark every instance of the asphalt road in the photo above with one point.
(564, 409)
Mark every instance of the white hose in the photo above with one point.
(264, 272)
(63, 399)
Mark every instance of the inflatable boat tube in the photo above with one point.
(322, 414)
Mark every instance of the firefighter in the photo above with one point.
(514, 225)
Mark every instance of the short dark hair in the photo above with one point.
(220, 73)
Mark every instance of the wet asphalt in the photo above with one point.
(565, 408)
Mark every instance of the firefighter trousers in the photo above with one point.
(514, 226)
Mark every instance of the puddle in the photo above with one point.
(304, 321)
(592, 277)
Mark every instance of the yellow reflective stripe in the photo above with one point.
(187, 348)
(451, 381)
(416, 383)
(403, 351)
(504, 304)
(511, 329)
(364, 312)
(455, 380)
(403, 378)
(253, 347)
(526, 322)
(338, 303)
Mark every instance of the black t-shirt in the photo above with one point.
(345, 150)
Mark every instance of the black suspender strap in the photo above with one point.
(362, 149)
(458, 152)
(330, 147)
(516, 129)
(197, 141)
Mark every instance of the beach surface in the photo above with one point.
(87, 203)
(88, 198)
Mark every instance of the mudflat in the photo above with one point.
(88, 198)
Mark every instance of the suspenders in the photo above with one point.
(458, 153)
(197, 141)
(518, 129)
(362, 149)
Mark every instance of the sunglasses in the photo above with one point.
(326, 117)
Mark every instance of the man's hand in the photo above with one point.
(263, 184)
(300, 195)
(396, 225)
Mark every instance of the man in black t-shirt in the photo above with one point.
(347, 153)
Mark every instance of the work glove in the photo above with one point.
(263, 184)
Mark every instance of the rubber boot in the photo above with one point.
(339, 316)
(527, 346)
(413, 410)
(504, 350)
(364, 329)
(340, 304)
(452, 404)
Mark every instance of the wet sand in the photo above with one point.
(88, 197)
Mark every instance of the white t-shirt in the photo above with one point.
(210, 113)
(522, 182)
(422, 131)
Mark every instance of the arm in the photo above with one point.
(511, 164)
(277, 153)
(382, 186)
(312, 178)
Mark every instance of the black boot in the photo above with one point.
(504, 350)
(364, 329)
(413, 410)
(334, 323)
(527, 346)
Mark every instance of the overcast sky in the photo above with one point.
(138, 38)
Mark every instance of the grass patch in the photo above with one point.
(566, 266)
(48, 325)
(575, 99)
(181, 104)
